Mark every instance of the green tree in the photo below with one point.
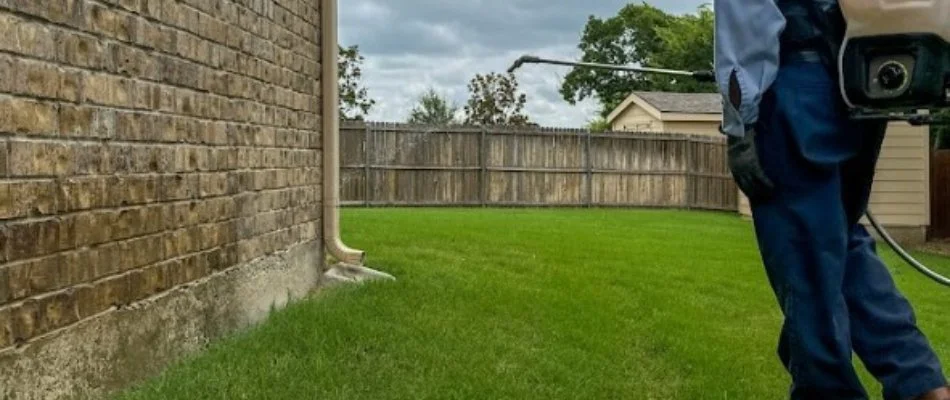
(355, 102)
(641, 34)
(494, 100)
(598, 125)
(433, 109)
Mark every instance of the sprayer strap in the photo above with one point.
(831, 25)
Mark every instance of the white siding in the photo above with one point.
(692, 127)
(636, 119)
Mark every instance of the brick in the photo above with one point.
(193, 268)
(37, 79)
(217, 260)
(105, 124)
(209, 236)
(62, 11)
(137, 286)
(120, 159)
(87, 159)
(36, 40)
(70, 86)
(185, 214)
(125, 27)
(108, 260)
(149, 159)
(185, 103)
(81, 51)
(18, 280)
(142, 94)
(6, 328)
(218, 159)
(79, 266)
(58, 311)
(8, 208)
(38, 158)
(101, 20)
(26, 198)
(152, 8)
(37, 238)
(148, 35)
(122, 92)
(189, 240)
(133, 190)
(29, 117)
(9, 38)
(100, 89)
(9, 69)
(153, 281)
(167, 101)
(127, 126)
(174, 273)
(127, 60)
(130, 5)
(170, 244)
(179, 187)
(77, 121)
(46, 275)
(128, 223)
(199, 158)
(103, 295)
(147, 250)
(5, 292)
(94, 228)
(125, 255)
(154, 219)
(162, 129)
(26, 320)
(81, 194)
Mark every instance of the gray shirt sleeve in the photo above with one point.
(746, 58)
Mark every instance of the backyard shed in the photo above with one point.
(901, 196)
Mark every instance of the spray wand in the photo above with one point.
(709, 76)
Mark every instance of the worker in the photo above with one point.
(807, 171)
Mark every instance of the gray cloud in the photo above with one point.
(411, 45)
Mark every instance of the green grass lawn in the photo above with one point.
(530, 304)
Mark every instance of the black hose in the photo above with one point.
(904, 255)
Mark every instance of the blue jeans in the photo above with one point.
(835, 293)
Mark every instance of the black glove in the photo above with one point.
(746, 169)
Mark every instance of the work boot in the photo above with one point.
(937, 394)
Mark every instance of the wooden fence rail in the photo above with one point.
(386, 164)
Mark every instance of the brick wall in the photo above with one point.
(146, 144)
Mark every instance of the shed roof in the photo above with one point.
(669, 106)
(689, 103)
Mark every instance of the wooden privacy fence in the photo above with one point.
(387, 164)
(940, 192)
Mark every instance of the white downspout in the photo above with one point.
(331, 138)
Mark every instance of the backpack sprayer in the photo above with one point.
(894, 60)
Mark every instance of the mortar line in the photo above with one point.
(131, 207)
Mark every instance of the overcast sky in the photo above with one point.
(411, 45)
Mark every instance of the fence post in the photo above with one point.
(690, 173)
(367, 186)
(590, 171)
(483, 172)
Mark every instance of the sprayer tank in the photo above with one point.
(889, 17)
